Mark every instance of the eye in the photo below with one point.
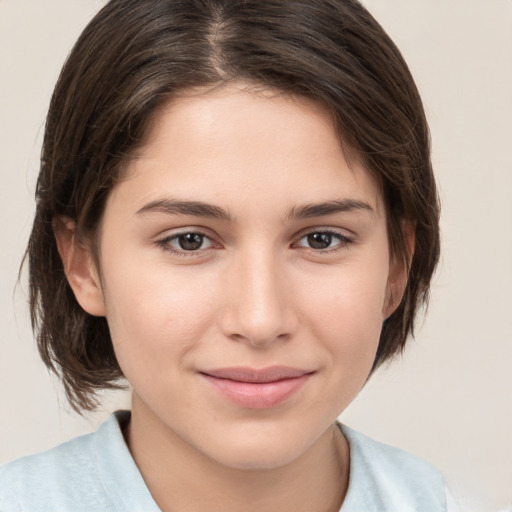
(190, 241)
(322, 240)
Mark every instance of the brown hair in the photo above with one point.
(134, 56)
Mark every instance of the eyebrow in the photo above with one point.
(201, 209)
(309, 211)
(193, 208)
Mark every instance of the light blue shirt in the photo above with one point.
(96, 473)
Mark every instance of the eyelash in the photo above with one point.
(164, 244)
(343, 242)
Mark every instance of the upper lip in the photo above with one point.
(257, 375)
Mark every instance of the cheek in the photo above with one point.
(344, 309)
(155, 315)
(350, 295)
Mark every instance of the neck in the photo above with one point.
(180, 477)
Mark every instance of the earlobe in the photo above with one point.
(79, 267)
(399, 272)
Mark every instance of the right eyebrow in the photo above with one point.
(193, 208)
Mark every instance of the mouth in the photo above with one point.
(257, 388)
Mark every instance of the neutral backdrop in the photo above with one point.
(449, 399)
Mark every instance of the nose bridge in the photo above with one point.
(259, 307)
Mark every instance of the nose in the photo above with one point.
(259, 304)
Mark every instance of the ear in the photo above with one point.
(399, 272)
(79, 267)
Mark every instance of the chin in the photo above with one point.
(261, 451)
(257, 460)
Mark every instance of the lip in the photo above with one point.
(254, 388)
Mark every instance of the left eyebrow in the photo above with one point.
(308, 211)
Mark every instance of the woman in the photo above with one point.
(236, 214)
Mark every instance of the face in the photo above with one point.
(245, 275)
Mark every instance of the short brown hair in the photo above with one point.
(134, 56)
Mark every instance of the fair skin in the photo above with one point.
(285, 263)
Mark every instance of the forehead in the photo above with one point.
(253, 145)
(245, 114)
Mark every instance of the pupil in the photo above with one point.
(319, 240)
(190, 241)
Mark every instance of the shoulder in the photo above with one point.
(46, 479)
(388, 457)
(386, 478)
(52, 480)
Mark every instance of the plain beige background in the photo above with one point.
(449, 399)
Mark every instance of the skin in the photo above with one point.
(254, 294)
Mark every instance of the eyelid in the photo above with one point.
(164, 242)
(344, 239)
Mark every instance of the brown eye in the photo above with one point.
(319, 240)
(323, 240)
(186, 242)
(190, 241)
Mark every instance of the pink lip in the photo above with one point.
(257, 388)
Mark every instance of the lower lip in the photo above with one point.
(257, 395)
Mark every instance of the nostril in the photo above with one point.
(262, 335)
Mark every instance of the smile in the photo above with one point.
(257, 389)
